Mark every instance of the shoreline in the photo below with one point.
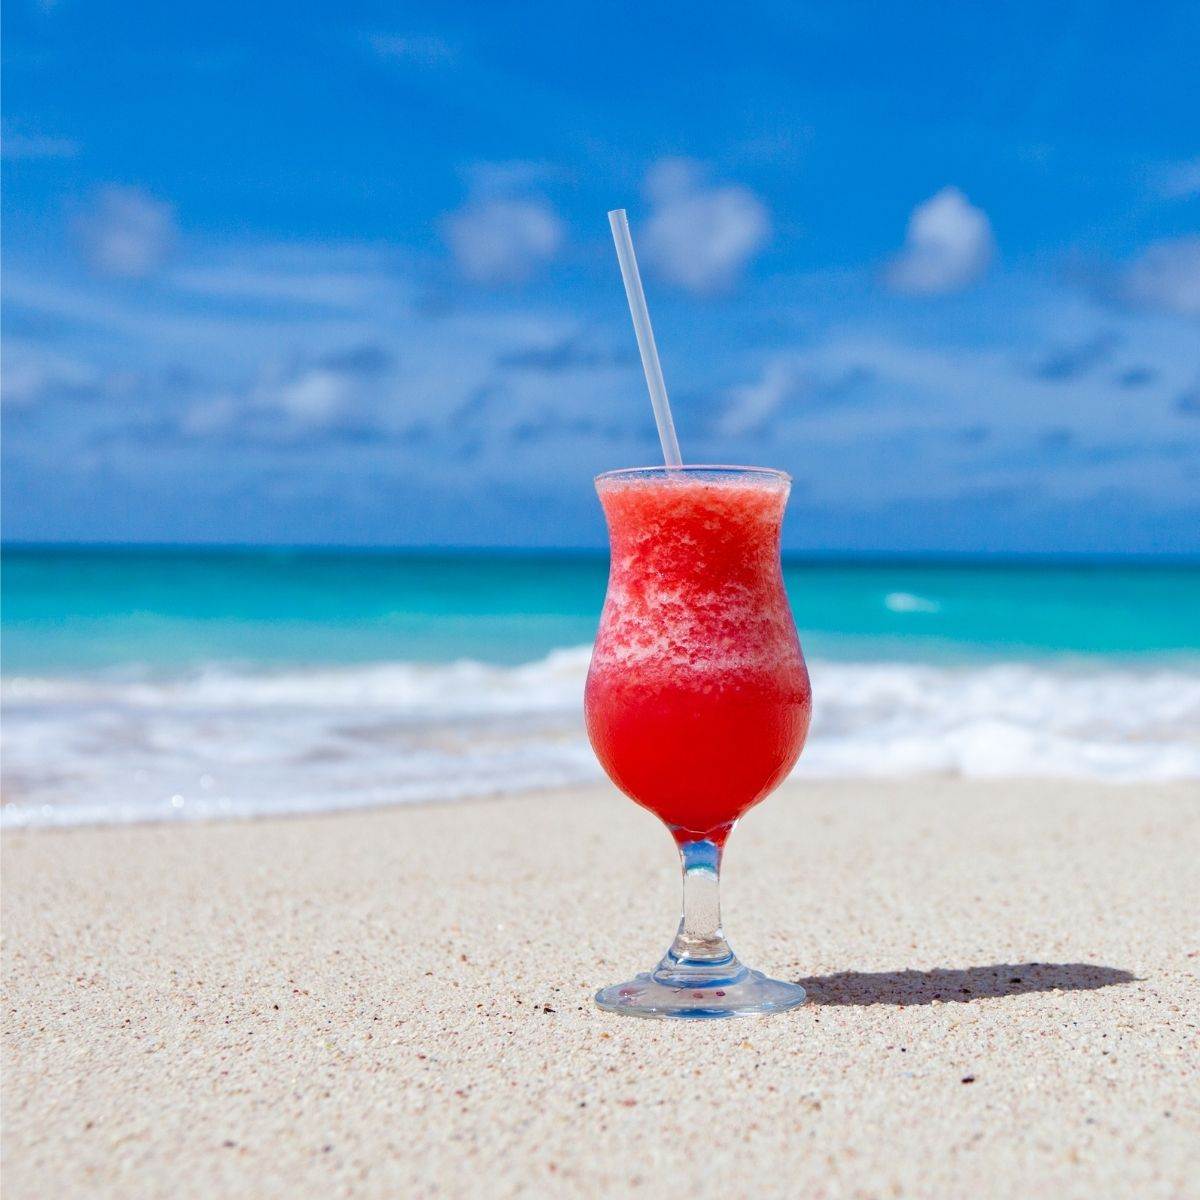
(398, 1001)
(230, 742)
(13, 826)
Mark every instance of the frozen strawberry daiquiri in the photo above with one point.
(697, 701)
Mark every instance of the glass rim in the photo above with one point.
(661, 471)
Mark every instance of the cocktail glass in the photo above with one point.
(698, 700)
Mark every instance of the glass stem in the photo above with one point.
(701, 940)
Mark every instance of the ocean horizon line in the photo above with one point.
(829, 557)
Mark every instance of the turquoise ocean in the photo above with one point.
(173, 684)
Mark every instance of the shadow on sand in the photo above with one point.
(963, 984)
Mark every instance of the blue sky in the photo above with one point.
(343, 274)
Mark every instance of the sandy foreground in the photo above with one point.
(1003, 982)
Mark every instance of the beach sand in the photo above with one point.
(1003, 983)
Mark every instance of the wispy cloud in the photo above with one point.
(318, 276)
(36, 145)
(318, 363)
(1178, 181)
(877, 413)
(791, 384)
(238, 283)
(700, 236)
(277, 382)
(948, 246)
(33, 371)
(1165, 277)
(126, 232)
(752, 405)
(333, 395)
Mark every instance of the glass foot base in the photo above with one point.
(742, 993)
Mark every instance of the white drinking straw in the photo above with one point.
(645, 337)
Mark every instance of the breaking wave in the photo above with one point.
(226, 741)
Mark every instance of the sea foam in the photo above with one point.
(224, 741)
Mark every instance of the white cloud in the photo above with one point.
(313, 398)
(342, 388)
(793, 384)
(127, 232)
(948, 246)
(700, 236)
(31, 373)
(280, 404)
(880, 413)
(270, 285)
(504, 240)
(752, 405)
(1166, 277)
(165, 324)
(1179, 181)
